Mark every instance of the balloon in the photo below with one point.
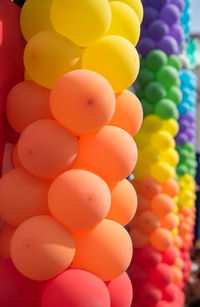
(143, 203)
(105, 250)
(161, 239)
(28, 197)
(161, 275)
(74, 287)
(154, 91)
(151, 124)
(35, 17)
(41, 248)
(103, 56)
(139, 238)
(161, 171)
(149, 155)
(171, 126)
(26, 103)
(156, 59)
(93, 20)
(5, 238)
(149, 294)
(136, 5)
(162, 204)
(169, 256)
(170, 156)
(177, 32)
(170, 14)
(17, 290)
(111, 153)
(150, 14)
(158, 29)
(171, 188)
(169, 293)
(177, 275)
(79, 199)
(150, 187)
(169, 221)
(145, 76)
(124, 22)
(82, 101)
(162, 140)
(167, 75)
(174, 61)
(148, 221)
(46, 149)
(123, 203)
(128, 113)
(166, 109)
(149, 257)
(49, 55)
(159, 4)
(168, 44)
(15, 158)
(174, 94)
(145, 46)
(120, 290)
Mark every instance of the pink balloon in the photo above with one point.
(161, 275)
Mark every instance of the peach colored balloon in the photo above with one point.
(46, 149)
(79, 199)
(106, 250)
(5, 239)
(138, 237)
(128, 113)
(148, 221)
(161, 239)
(150, 187)
(162, 204)
(27, 102)
(22, 196)
(169, 221)
(41, 248)
(82, 101)
(111, 153)
(170, 187)
(123, 203)
(15, 157)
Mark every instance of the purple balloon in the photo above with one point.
(191, 133)
(168, 44)
(183, 125)
(170, 14)
(158, 29)
(190, 116)
(150, 14)
(145, 45)
(158, 3)
(177, 32)
(193, 140)
(179, 3)
(181, 138)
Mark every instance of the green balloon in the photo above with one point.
(155, 91)
(183, 154)
(189, 146)
(166, 109)
(175, 94)
(174, 61)
(181, 169)
(168, 76)
(140, 93)
(145, 76)
(156, 59)
(147, 107)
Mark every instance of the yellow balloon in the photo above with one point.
(124, 22)
(162, 171)
(142, 141)
(149, 155)
(115, 58)
(162, 140)
(151, 124)
(175, 209)
(82, 21)
(48, 56)
(141, 171)
(26, 76)
(175, 232)
(170, 156)
(35, 17)
(171, 126)
(136, 5)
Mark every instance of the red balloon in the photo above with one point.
(169, 256)
(163, 304)
(137, 274)
(161, 275)
(149, 295)
(17, 290)
(148, 257)
(121, 292)
(169, 293)
(75, 287)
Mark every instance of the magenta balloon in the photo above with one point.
(168, 44)
(158, 29)
(170, 14)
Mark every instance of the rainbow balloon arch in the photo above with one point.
(64, 195)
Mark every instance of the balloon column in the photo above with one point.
(185, 19)
(67, 199)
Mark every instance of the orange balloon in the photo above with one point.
(106, 250)
(79, 199)
(111, 153)
(46, 149)
(22, 196)
(143, 203)
(27, 102)
(162, 204)
(41, 248)
(128, 113)
(169, 221)
(138, 237)
(123, 203)
(170, 187)
(150, 187)
(15, 158)
(148, 221)
(161, 239)
(5, 239)
(179, 263)
(82, 101)
(177, 275)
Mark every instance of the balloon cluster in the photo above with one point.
(159, 85)
(185, 19)
(161, 28)
(157, 156)
(67, 199)
(155, 268)
(187, 163)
